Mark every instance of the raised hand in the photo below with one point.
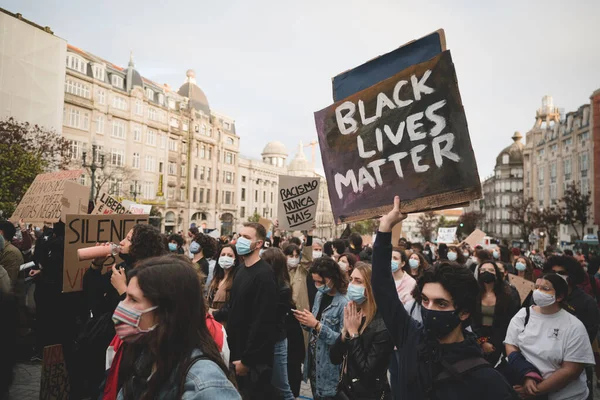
(387, 222)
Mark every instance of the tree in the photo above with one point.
(25, 151)
(443, 222)
(520, 214)
(366, 227)
(155, 217)
(576, 208)
(426, 224)
(109, 174)
(254, 218)
(468, 222)
(548, 219)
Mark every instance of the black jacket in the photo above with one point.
(586, 310)
(419, 359)
(284, 305)
(100, 294)
(368, 358)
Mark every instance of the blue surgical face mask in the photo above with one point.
(356, 293)
(414, 264)
(395, 266)
(323, 288)
(243, 246)
(496, 254)
(194, 248)
(172, 247)
(452, 256)
(520, 266)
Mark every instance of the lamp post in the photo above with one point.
(134, 190)
(93, 166)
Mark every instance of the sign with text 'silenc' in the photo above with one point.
(87, 230)
(107, 204)
(50, 197)
(298, 198)
(407, 136)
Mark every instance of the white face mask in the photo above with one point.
(543, 299)
(293, 262)
(226, 262)
(343, 266)
(452, 256)
(317, 254)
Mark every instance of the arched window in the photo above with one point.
(505, 158)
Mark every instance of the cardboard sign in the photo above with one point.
(446, 235)
(382, 67)
(298, 199)
(523, 286)
(475, 238)
(87, 230)
(54, 382)
(405, 136)
(396, 233)
(48, 198)
(266, 223)
(107, 204)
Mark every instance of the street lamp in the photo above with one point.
(134, 190)
(93, 166)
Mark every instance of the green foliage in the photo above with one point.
(521, 215)
(426, 225)
(467, 223)
(547, 219)
(26, 151)
(254, 218)
(576, 209)
(366, 227)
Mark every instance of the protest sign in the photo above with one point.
(87, 230)
(405, 136)
(47, 198)
(135, 208)
(523, 286)
(298, 198)
(396, 233)
(474, 238)
(446, 235)
(54, 382)
(374, 71)
(266, 223)
(107, 204)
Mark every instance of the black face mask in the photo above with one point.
(128, 258)
(487, 277)
(439, 323)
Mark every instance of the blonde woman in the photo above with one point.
(365, 345)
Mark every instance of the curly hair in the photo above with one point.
(146, 242)
(207, 244)
(573, 267)
(328, 268)
(177, 239)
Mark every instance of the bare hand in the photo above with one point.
(487, 348)
(118, 279)
(34, 272)
(276, 232)
(352, 318)
(390, 220)
(306, 318)
(240, 369)
(530, 387)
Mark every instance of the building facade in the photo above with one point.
(560, 152)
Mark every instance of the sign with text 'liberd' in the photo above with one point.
(87, 230)
(298, 198)
(107, 204)
(406, 136)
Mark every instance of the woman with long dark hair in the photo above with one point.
(224, 272)
(494, 310)
(168, 352)
(202, 248)
(524, 268)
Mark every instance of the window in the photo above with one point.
(243, 179)
(161, 99)
(553, 192)
(174, 122)
(116, 81)
(99, 154)
(86, 121)
(100, 124)
(171, 104)
(152, 114)
(76, 63)
(229, 141)
(119, 103)
(163, 141)
(228, 177)
(160, 167)
(242, 212)
(137, 133)
(201, 196)
(115, 186)
(117, 157)
(567, 168)
(202, 169)
(82, 180)
(194, 193)
(208, 173)
(203, 130)
(195, 172)
(227, 197)
(585, 186)
(541, 174)
(256, 195)
(243, 194)
(139, 107)
(101, 94)
(209, 153)
(148, 190)
(208, 195)
(541, 195)
(118, 129)
(202, 151)
(99, 72)
(172, 168)
(567, 142)
(151, 137)
(172, 144)
(77, 88)
(264, 197)
(216, 196)
(583, 164)
(183, 171)
(185, 126)
(150, 164)
(135, 161)
(228, 158)
(505, 158)
(74, 118)
(74, 149)
(272, 198)
(184, 148)
(553, 172)
(149, 94)
(171, 194)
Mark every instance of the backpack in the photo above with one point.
(461, 368)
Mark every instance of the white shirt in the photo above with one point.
(550, 339)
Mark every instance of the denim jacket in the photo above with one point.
(332, 321)
(204, 381)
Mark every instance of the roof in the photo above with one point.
(514, 151)
(275, 148)
(300, 163)
(19, 16)
(198, 99)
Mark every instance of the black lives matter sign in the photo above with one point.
(405, 136)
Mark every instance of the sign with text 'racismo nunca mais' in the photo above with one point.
(405, 136)
(298, 199)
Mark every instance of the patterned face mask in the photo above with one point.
(127, 322)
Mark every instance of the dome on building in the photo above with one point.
(275, 148)
(300, 164)
(512, 154)
(190, 90)
(132, 76)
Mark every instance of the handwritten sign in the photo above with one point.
(266, 223)
(298, 198)
(406, 135)
(54, 383)
(523, 286)
(135, 208)
(49, 197)
(446, 235)
(475, 238)
(107, 204)
(87, 230)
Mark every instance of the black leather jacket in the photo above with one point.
(368, 358)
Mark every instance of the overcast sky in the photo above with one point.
(269, 64)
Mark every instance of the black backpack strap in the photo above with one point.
(527, 314)
(462, 367)
(193, 360)
(412, 309)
